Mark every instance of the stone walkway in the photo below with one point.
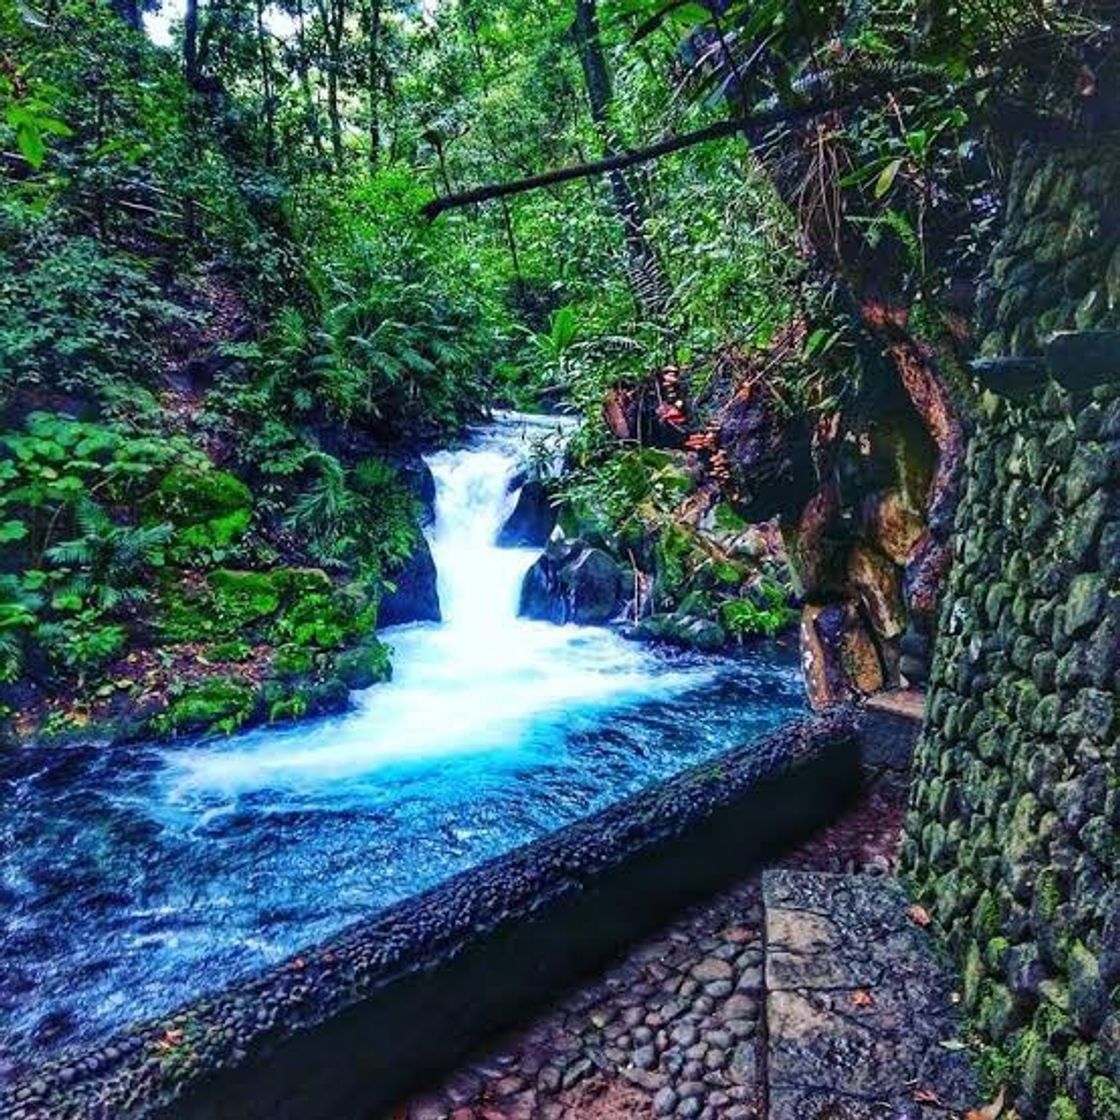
(860, 1013)
(673, 1029)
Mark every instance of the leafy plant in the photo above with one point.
(106, 564)
(763, 611)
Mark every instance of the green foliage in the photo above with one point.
(19, 607)
(209, 509)
(84, 569)
(630, 485)
(323, 621)
(216, 706)
(400, 339)
(105, 565)
(78, 319)
(764, 611)
(81, 642)
(364, 519)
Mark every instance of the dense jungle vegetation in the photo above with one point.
(228, 323)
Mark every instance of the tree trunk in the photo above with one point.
(129, 11)
(373, 78)
(333, 16)
(646, 272)
(190, 43)
(266, 90)
(310, 108)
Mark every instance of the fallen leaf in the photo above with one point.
(738, 935)
(863, 999)
(926, 1096)
(988, 1112)
(919, 915)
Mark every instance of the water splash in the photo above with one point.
(135, 879)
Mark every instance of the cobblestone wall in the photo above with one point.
(1057, 264)
(1012, 831)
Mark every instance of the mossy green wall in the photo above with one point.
(1057, 264)
(1012, 833)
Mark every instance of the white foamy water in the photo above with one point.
(478, 680)
(137, 878)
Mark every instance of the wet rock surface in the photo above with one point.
(532, 519)
(572, 582)
(415, 597)
(859, 1005)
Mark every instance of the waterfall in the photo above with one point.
(479, 583)
(188, 865)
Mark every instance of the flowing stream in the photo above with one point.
(136, 878)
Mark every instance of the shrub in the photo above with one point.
(79, 318)
(764, 611)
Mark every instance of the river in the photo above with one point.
(136, 878)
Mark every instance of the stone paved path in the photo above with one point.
(860, 1013)
(675, 1027)
(672, 1030)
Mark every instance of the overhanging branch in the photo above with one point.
(750, 123)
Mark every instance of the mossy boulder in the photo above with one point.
(363, 666)
(216, 706)
(572, 582)
(210, 511)
(532, 519)
(323, 620)
(224, 606)
(283, 701)
(682, 630)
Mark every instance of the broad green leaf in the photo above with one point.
(887, 177)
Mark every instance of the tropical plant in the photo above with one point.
(106, 564)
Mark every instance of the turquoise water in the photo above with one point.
(134, 879)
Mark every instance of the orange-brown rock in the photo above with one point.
(892, 525)
(620, 414)
(877, 582)
(816, 546)
(838, 655)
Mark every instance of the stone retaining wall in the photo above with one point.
(347, 1027)
(1012, 834)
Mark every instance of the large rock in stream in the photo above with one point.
(532, 520)
(416, 596)
(572, 582)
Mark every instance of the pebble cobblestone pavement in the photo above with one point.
(673, 1029)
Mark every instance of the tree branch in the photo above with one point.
(748, 124)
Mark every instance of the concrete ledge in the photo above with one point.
(350, 1025)
(889, 726)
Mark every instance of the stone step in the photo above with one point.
(859, 1012)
